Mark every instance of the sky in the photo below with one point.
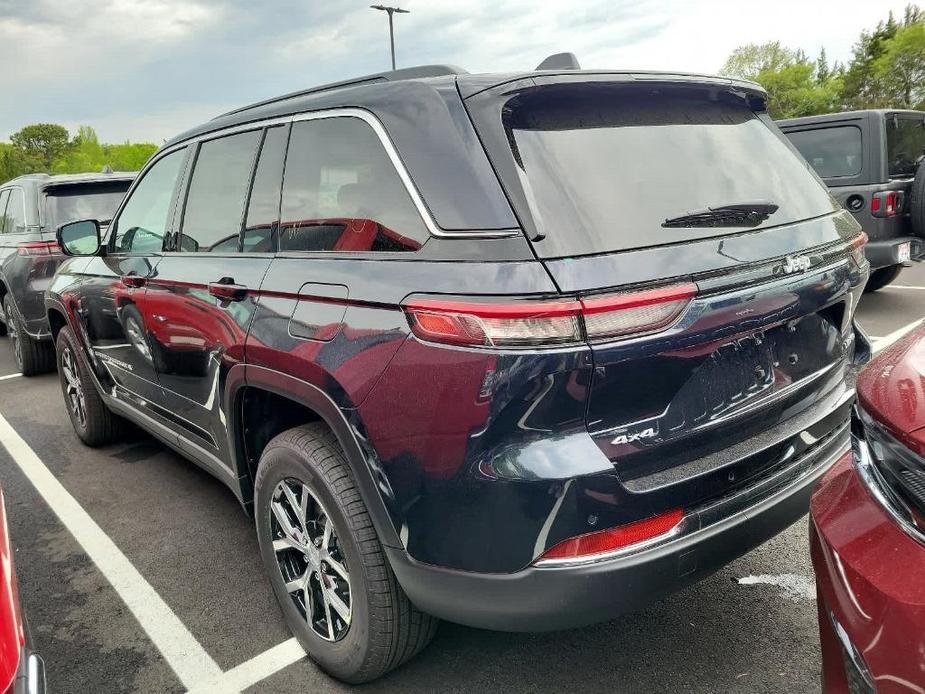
(145, 70)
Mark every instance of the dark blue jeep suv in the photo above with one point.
(518, 351)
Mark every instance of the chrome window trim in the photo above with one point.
(25, 209)
(343, 112)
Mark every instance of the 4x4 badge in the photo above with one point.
(633, 436)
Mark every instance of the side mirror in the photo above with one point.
(79, 238)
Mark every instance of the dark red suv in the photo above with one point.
(518, 351)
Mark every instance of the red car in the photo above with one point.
(867, 534)
(21, 671)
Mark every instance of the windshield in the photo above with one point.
(605, 166)
(69, 203)
(905, 143)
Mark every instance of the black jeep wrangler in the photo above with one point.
(870, 161)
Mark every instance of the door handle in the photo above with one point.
(226, 290)
(134, 280)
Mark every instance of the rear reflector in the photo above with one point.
(612, 539)
(557, 322)
(38, 248)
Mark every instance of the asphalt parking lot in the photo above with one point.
(177, 548)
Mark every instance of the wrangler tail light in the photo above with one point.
(547, 323)
(38, 248)
(612, 539)
(886, 203)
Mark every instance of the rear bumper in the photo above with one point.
(547, 598)
(869, 580)
(885, 253)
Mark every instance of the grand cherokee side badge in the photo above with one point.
(633, 436)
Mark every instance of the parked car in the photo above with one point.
(22, 671)
(870, 161)
(31, 208)
(517, 351)
(868, 534)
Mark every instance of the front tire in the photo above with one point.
(325, 563)
(882, 277)
(92, 420)
(32, 357)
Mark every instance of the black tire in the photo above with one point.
(882, 277)
(917, 203)
(385, 629)
(32, 357)
(99, 425)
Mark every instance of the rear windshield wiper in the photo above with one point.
(743, 214)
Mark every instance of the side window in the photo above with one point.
(15, 222)
(142, 224)
(341, 192)
(217, 192)
(4, 196)
(831, 152)
(263, 206)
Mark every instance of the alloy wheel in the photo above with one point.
(73, 390)
(12, 331)
(311, 559)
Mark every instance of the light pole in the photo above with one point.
(391, 11)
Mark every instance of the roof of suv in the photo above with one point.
(434, 76)
(43, 180)
(846, 115)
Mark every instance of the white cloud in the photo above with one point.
(146, 69)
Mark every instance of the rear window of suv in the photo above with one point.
(70, 203)
(832, 152)
(905, 142)
(604, 166)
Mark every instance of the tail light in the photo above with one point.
(548, 323)
(38, 248)
(613, 539)
(887, 203)
(857, 247)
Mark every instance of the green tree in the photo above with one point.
(46, 141)
(900, 68)
(750, 60)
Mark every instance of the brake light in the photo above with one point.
(886, 203)
(612, 539)
(38, 248)
(857, 247)
(544, 323)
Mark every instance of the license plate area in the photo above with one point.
(904, 252)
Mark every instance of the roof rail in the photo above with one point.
(560, 61)
(408, 73)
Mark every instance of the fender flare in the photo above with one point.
(245, 376)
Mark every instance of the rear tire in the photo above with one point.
(92, 420)
(32, 357)
(882, 277)
(917, 202)
(383, 629)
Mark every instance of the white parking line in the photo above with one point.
(180, 649)
(9, 376)
(254, 670)
(903, 286)
(881, 343)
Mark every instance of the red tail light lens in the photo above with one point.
(612, 539)
(857, 247)
(886, 203)
(635, 313)
(539, 323)
(38, 248)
